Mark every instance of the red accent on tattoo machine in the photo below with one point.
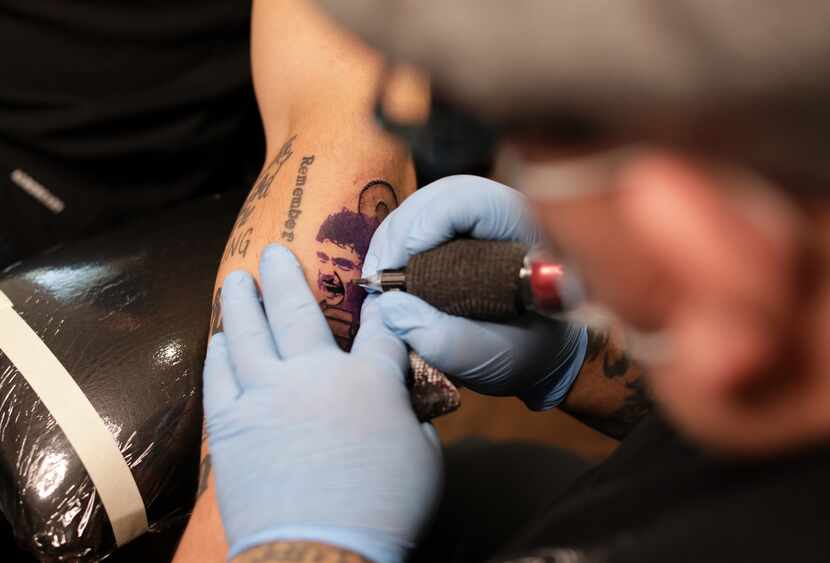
(485, 280)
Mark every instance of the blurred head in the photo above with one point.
(731, 270)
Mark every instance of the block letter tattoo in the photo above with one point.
(240, 239)
(265, 180)
(342, 242)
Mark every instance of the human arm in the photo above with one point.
(314, 87)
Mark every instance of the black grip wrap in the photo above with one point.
(478, 279)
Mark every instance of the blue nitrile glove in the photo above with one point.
(534, 359)
(308, 442)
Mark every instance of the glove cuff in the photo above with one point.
(373, 545)
(552, 389)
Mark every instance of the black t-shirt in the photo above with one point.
(111, 107)
(658, 499)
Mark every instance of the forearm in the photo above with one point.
(325, 157)
(311, 192)
(298, 552)
(609, 394)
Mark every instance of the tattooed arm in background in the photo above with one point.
(610, 393)
(330, 178)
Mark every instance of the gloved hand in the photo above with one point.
(308, 442)
(534, 359)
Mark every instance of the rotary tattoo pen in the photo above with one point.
(485, 280)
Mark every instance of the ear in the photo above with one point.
(377, 199)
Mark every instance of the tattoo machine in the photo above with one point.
(484, 280)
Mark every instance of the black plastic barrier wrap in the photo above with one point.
(127, 314)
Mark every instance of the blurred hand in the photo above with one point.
(309, 442)
(534, 359)
(715, 260)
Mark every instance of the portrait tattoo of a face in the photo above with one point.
(342, 243)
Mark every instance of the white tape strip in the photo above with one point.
(84, 428)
